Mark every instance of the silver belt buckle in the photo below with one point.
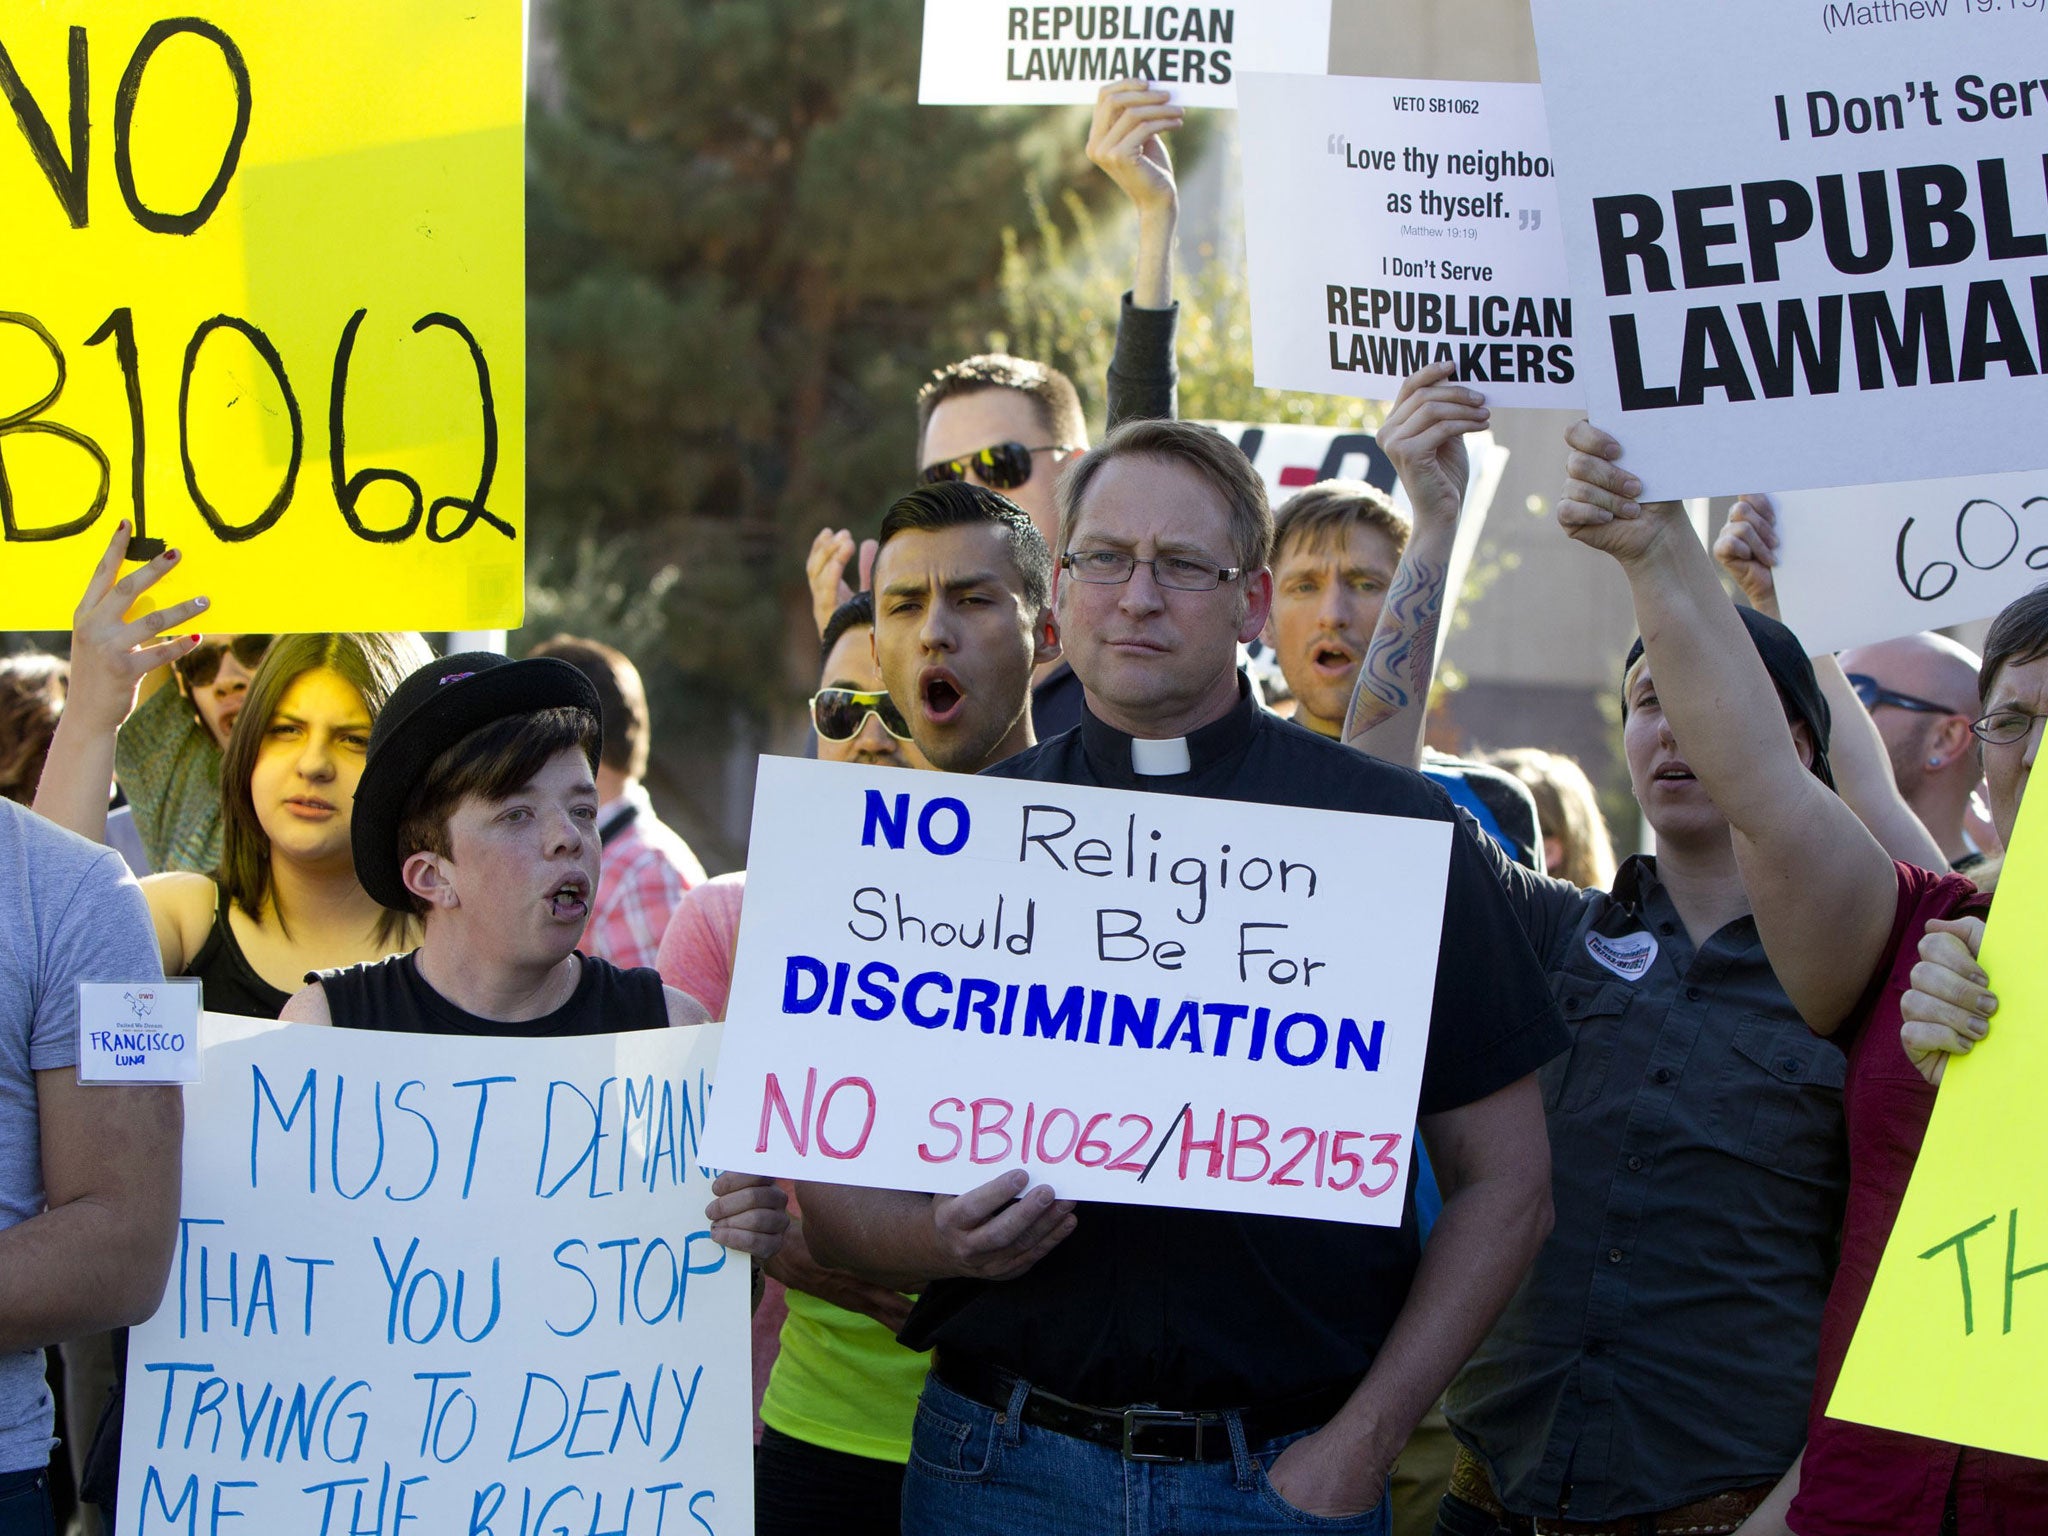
(1134, 1418)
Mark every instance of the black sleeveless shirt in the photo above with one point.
(391, 995)
(228, 982)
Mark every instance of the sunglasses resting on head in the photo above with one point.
(1000, 467)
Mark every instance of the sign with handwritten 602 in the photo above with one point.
(1874, 562)
(263, 296)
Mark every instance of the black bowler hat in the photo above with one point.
(1790, 668)
(428, 713)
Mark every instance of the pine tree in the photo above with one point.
(747, 245)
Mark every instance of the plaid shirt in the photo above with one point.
(646, 869)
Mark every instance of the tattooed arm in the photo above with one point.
(1424, 436)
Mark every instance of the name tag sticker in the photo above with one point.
(1629, 956)
(141, 1033)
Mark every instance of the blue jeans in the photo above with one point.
(975, 1471)
(25, 1503)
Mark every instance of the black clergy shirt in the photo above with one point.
(1205, 1309)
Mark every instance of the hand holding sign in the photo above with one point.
(748, 1214)
(1124, 142)
(1598, 506)
(1947, 1011)
(1747, 549)
(1000, 1229)
(1424, 436)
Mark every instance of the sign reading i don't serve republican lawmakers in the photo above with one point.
(1435, 209)
(1808, 242)
(262, 295)
(1142, 999)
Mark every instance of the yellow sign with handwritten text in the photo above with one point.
(1954, 1339)
(262, 293)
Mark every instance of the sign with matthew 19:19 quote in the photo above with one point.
(1143, 999)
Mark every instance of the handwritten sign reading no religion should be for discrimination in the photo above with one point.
(1147, 999)
(263, 295)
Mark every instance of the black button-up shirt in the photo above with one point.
(1202, 1309)
(1663, 1346)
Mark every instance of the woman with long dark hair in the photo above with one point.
(285, 899)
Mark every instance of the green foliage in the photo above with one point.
(1060, 290)
(747, 245)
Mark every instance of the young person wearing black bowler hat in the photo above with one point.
(477, 813)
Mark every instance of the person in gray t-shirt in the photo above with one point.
(89, 1176)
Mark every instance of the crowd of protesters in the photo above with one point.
(1669, 1106)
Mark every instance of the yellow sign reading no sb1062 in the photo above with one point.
(262, 292)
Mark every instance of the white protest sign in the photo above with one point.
(142, 1033)
(1878, 561)
(1809, 243)
(1291, 458)
(463, 1284)
(992, 53)
(1144, 999)
(1394, 223)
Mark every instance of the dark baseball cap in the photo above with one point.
(1786, 660)
(428, 713)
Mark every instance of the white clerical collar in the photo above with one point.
(1157, 759)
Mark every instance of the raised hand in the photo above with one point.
(1424, 437)
(831, 552)
(1598, 506)
(1747, 549)
(110, 652)
(1124, 141)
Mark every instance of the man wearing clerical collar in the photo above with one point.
(1279, 1364)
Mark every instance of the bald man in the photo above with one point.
(1922, 692)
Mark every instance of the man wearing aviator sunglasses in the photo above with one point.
(1921, 690)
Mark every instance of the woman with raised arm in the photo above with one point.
(1841, 923)
(285, 899)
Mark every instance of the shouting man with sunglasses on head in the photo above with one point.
(1008, 424)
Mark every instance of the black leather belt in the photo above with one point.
(1142, 1433)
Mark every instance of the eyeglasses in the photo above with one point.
(840, 713)
(1182, 573)
(1873, 694)
(1002, 467)
(2003, 727)
(201, 667)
